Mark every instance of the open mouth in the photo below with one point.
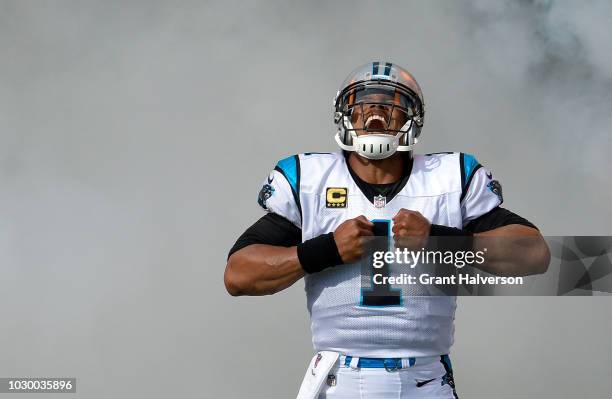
(375, 122)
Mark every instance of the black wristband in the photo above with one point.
(319, 253)
(450, 238)
(439, 230)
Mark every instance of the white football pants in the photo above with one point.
(365, 379)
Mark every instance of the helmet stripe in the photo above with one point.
(387, 68)
(375, 68)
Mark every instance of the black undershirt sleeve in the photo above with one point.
(270, 229)
(497, 217)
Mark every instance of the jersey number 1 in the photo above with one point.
(380, 294)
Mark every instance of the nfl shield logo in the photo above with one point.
(380, 201)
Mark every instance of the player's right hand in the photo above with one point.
(352, 237)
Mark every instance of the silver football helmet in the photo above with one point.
(379, 110)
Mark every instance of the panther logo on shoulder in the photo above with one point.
(264, 194)
(496, 189)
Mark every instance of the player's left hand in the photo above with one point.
(410, 229)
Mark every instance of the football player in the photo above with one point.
(323, 208)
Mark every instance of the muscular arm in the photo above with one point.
(513, 250)
(264, 259)
(515, 247)
(261, 269)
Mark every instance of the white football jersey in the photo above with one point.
(316, 192)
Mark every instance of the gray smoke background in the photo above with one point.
(134, 137)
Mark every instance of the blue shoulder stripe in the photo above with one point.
(469, 165)
(290, 168)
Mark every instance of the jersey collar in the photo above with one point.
(390, 190)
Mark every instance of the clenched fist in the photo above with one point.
(410, 229)
(351, 238)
